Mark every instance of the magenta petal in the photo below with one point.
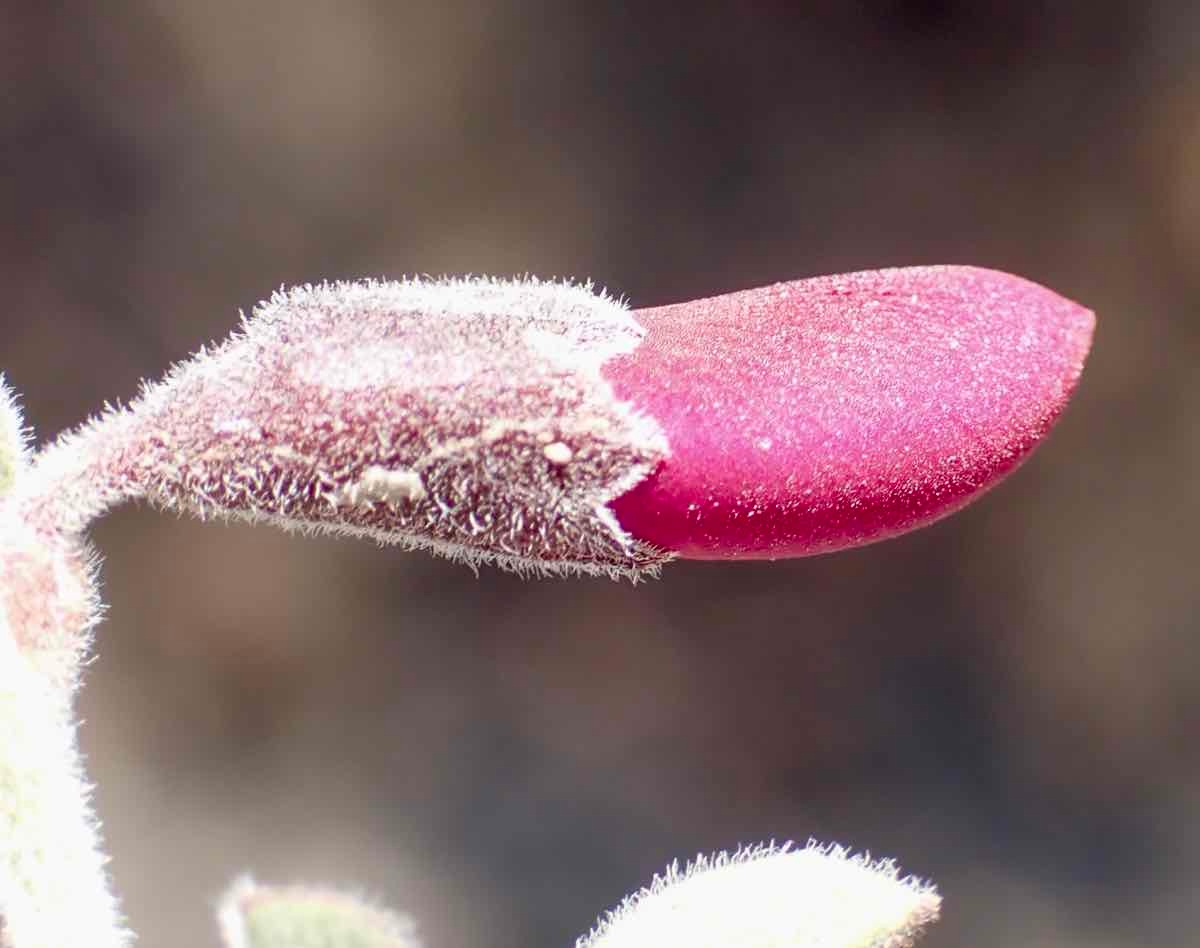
(815, 415)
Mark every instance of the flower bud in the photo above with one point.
(547, 428)
(821, 414)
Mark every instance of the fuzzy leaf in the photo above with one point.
(772, 897)
(255, 916)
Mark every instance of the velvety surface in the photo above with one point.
(819, 414)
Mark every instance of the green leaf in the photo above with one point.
(255, 916)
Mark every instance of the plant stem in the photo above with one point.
(54, 890)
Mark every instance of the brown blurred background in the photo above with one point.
(1008, 701)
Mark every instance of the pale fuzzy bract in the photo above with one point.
(265, 916)
(468, 417)
(772, 897)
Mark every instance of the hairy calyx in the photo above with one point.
(468, 417)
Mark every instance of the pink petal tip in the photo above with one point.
(811, 416)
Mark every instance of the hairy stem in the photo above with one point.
(54, 890)
(73, 481)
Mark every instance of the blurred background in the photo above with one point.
(1008, 701)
